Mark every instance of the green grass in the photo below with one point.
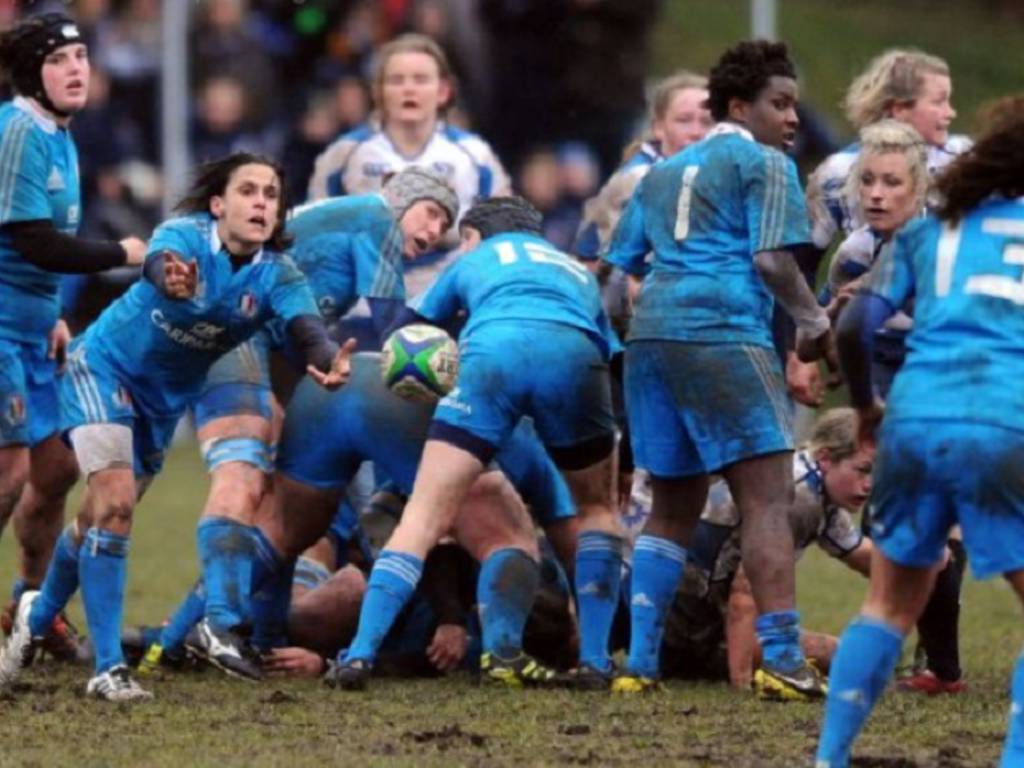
(833, 40)
(205, 719)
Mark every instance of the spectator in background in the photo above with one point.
(567, 69)
(224, 43)
(220, 126)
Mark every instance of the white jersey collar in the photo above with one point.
(30, 109)
(726, 128)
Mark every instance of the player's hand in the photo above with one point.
(868, 420)
(821, 347)
(804, 381)
(57, 344)
(297, 662)
(448, 647)
(135, 250)
(181, 278)
(341, 368)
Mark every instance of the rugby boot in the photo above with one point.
(521, 671)
(351, 675)
(803, 683)
(929, 683)
(226, 651)
(631, 684)
(20, 647)
(117, 684)
(589, 678)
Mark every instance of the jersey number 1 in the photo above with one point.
(683, 205)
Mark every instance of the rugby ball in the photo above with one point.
(420, 362)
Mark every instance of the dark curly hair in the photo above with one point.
(743, 71)
(212, 179)
(993, 166)
(497, 215)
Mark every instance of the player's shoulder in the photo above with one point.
(836, 167)
(472, 143)
(193, 228)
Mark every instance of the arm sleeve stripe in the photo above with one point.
(12, 148)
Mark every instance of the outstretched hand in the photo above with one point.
(341, 368)
(181, 278)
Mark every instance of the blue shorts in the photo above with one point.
(696, 408)
(237, 384)
(91, 393)
(551, 372)
(29, 402)
(931, 475)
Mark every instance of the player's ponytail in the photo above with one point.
(994, 166)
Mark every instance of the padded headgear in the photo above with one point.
(503, 214)
(24, 48)
(407, 186)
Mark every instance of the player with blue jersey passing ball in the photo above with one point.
(212, 279)
(704, 388)
(953, 456)
(536, 343)
(47, 62)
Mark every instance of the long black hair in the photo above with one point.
(212, 179)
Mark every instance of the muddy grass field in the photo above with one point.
(202, 719)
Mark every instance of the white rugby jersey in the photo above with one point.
(357, 162)
(852, 259)
(833, 211)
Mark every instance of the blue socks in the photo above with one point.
(226, 551)
(657, 567)
(392, 582)
(1013, 749)
(102, 569)
(59, 585)
(598, 576)
(188, 614)
(868, 652)
(271, 594)
(505, 592)
(779, 635)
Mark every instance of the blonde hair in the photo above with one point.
(894, 77)
(835, 431)
(891, 136)
(660, 97)
(410, 43)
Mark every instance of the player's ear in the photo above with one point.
(824, 458)
(739, 110)
(216, 206)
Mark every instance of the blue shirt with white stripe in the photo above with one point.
(348, 247)
(162, 348)
(965, 352)
(38, 181)
(704, 213)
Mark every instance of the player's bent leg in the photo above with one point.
(443, 480)
(237, 457)
(14, 471)
(598, 557)
(659, 558)
(869, 649)
(39, 514)
(495, 528)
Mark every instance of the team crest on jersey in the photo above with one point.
(247, 305)
(15, 411)
(55, 180)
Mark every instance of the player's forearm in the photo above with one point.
(310, 337)
(855, 335)
(41, 244)
(783, 278)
